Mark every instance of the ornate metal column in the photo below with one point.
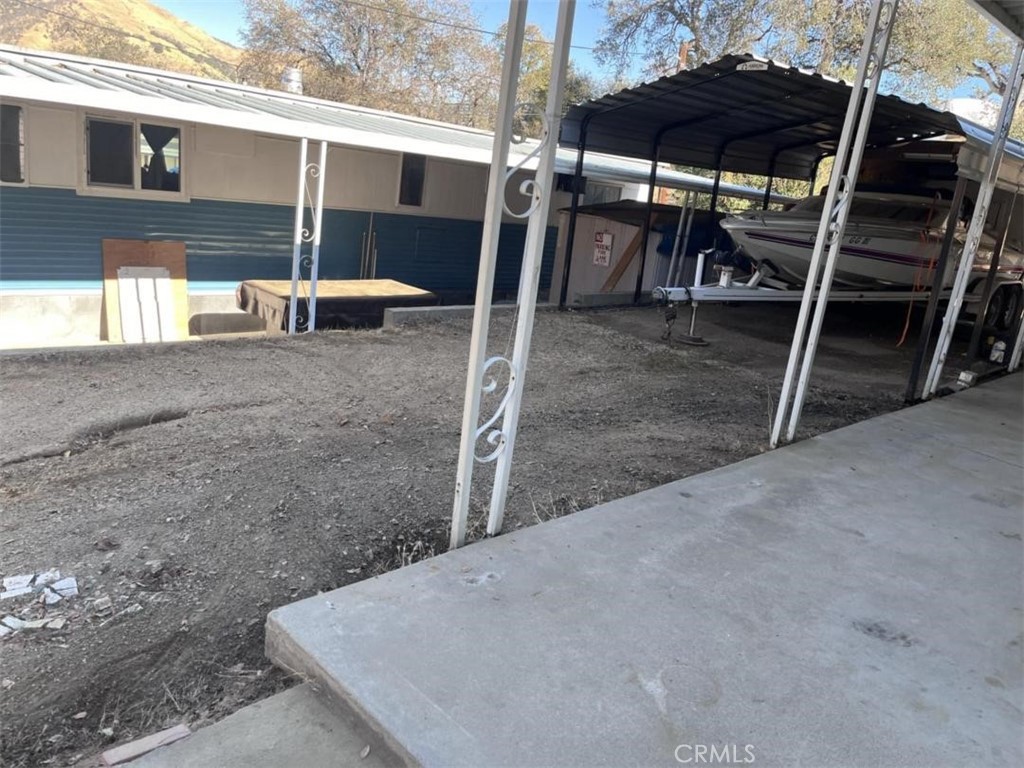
(499, 430)
(835, 213)
(974, 231)
(308, 172)
(540, 189)
(478, 363)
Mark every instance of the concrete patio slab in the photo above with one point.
(852, 600)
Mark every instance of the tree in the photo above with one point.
(936, 44)
(658, 31)
(535, 79)
(411, 56)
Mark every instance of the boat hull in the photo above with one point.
(868, 257)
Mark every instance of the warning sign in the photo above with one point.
(603, 248)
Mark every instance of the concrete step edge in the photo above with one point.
(289, 656)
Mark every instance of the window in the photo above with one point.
(602, 193)
(110, 153)
(12, 144)
(410, 190)
(160, 151)
(133, 155)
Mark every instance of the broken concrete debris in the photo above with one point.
(103, 605)
(46, 581)
(17, 582)
(66, 587)
(12, 622)
(16, 592)
(48, 587)
(47, 577)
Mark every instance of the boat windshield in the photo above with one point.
(916, 210)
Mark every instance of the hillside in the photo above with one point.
(133, 31)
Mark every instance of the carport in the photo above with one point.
(752, 115)
(742, 114)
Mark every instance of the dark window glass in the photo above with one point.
(12, 144)
(110, 153)
(414, 169)
(160, 157)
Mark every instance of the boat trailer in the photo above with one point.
(762, 286)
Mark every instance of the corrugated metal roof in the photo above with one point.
(756, 115)
(1008, 14)
(94, 84)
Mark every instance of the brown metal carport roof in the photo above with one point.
(752, 114)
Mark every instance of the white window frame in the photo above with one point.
(398, 187)
(25, 147)
(135, 192)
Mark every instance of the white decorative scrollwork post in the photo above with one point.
(501, 438)
(835, 212)
(976, 228)
(307, 171)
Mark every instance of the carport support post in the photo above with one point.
(302, 235)
(974, 231)
(768, 186)
(318, 220)
(297, 236)
(678, 243)
(976, 228)
(542, 192)
(686, 237)
(648, 221)
(910, 396)
(835, 213)
(714, 204)
(574, 210)
(814, 175)
(485, 278)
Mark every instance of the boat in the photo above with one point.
(891, 240)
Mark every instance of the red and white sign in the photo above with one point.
(603, 248)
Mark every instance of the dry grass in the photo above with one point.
(566, 504)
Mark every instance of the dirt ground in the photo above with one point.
(198, 486)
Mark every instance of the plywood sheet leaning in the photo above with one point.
(624, 261)
(143, 253)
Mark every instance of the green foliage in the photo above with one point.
(535, 76)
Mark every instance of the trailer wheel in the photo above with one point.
(1012, 310)
(1003, 307)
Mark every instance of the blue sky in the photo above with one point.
(224, 19)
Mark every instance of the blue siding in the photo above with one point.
(51, 237)
(443, 254)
